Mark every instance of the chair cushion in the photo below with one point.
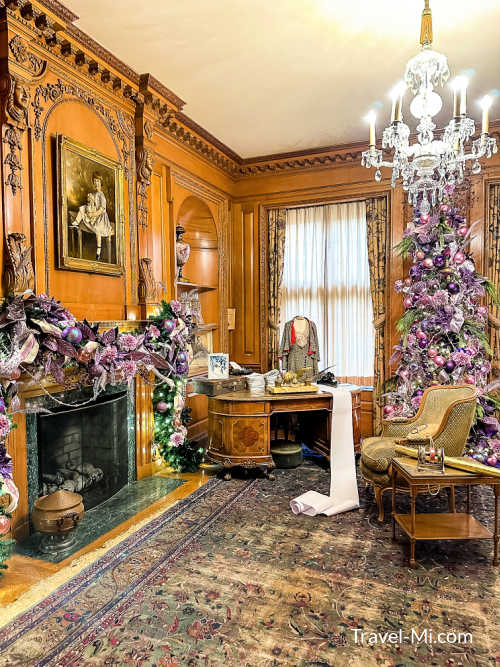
(380, 479)
(376, 453)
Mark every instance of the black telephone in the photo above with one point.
(326, 377)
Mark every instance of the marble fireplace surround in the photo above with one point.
(20, 441)
(74, 396)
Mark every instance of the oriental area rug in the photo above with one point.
(230, 576)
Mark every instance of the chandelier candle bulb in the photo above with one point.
(485, 104)
(370, 119)
(397, 101)
(456, 102)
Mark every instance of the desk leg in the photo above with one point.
(496, 535)
(394, 475)
(413, 494)
(468, 498)
(269, 473)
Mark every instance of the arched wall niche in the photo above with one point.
(202, 268)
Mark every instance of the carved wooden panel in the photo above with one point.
(249, 436)
(245, 339)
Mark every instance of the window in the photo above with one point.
(326, 279)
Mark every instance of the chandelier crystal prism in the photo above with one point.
(427, 166)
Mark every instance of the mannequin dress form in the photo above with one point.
(299, 345)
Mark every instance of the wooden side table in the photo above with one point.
(444, 526)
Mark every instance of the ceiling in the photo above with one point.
(271, 76)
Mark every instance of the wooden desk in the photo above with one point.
(450, 526)
(239, 426)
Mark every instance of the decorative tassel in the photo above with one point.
(426, 27)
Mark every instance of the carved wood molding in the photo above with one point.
(299, 163)
(16, 104)
(149, 287)
(18, 273)
(144, 171)
(121, 126)
(183, 135)
(23, 56)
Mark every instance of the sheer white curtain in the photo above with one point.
(326, 279)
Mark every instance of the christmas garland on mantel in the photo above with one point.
(41, 339)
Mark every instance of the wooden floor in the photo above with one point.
(24, 572)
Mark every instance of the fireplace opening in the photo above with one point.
(85, 449)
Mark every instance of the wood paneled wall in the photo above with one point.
(247, 280)
(54, 80)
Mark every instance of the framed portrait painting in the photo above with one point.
(90, 209)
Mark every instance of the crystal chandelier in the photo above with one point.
(430, 164)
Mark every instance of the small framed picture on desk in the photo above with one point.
(218, 366)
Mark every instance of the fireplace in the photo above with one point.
(88, 449)
(85, 449)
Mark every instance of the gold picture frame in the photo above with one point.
(91, 227)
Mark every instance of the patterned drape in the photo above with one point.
(276, 253)
(492, 257)
(377, 233)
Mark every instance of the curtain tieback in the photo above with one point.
(273, 325)
(379, 322)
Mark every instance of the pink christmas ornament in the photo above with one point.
(492, 460)
(470, 379)
(463, 231)
(408, 282)
(459, 257)
(432, 352)
(428, 263)
(4, 524)
(389, 410)
(420, 334)
(444, 208)
(407, 302)
(420, 255)
(424, 218)
(161, 406)
(439, 360)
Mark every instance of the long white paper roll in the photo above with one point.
(343, 484)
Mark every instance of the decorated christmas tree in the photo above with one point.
(443, 329)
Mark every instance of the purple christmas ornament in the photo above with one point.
(449, 366)
(169, 325)
(439, 261)
(453, 288)
(72, 335)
